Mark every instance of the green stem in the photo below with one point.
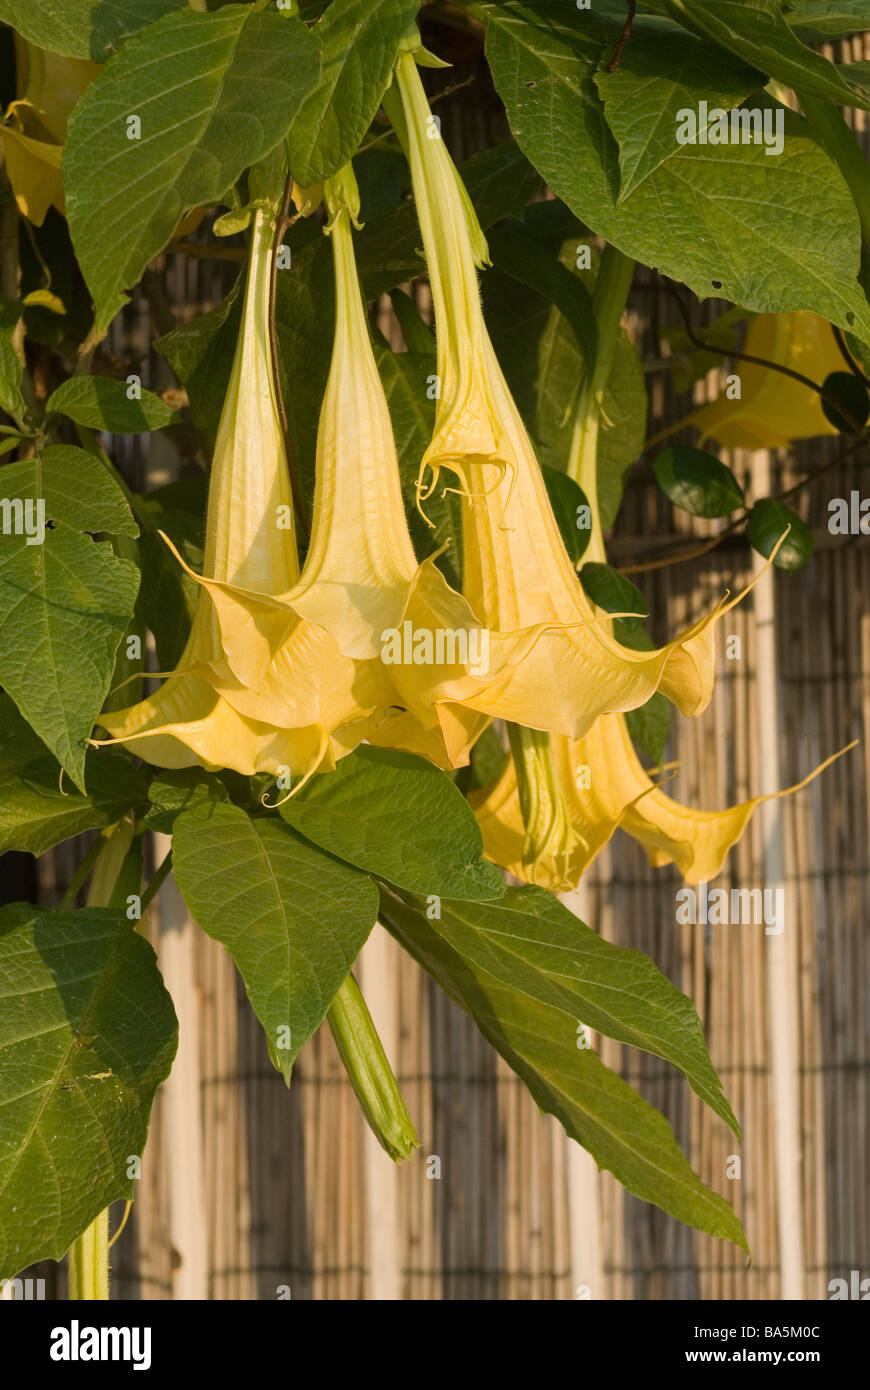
(157, 882)
(370, 1074)
(842, 145)
(88, 1266)
(615, 272)
(89, 1262)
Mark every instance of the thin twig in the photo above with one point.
(623, 38)
(283, 223)
(811, 385)
(695, 552)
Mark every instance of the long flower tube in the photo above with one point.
(256, 689)
(556, 666)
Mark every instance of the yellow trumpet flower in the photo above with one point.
(34, 129)
(361, 588)
(773, 410)
(555, 665)
(603, 786)
(257, 688)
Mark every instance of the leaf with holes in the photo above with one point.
(723, 218)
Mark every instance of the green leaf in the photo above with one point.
(759, 34)
(293, 919)
(36, 812)
(658, 76)
(850, 393)
(103, 404)
(528, 973)
(516, 252)
(399, 817)
(416, 332)
(19, 745)
(650, 724)
(406, 378)
(726, 219)
(64, 607)
(360, 41)
(697, 482)
(544, 366)
(568, 501)
(826, 19)
(201, 354)
(88, 1032)
(214, 93)
(768, 520)
(82, 28)
(170, 793)
(11, 371)
(610, 590)
(78, 491)
(168, 596)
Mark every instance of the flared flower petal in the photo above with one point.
(554, 663)
(257, 688)
(605, 787)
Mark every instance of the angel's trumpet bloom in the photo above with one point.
(604, 786)
(555, 665)
(34, 128)
(257, 688)
(361, 581)
(773, 409)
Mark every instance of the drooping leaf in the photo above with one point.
(19, 745)
(104, 404)
(37, 812)
(697, 482)
(650, 725)
(360, 41)
(214, 94)
(87, 1033)
(293, 918)
(400, 817)
(725, 219)
(768, 521)
(526, 971)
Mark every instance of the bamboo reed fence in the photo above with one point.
(288, 1195)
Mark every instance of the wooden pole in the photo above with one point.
(780, 942)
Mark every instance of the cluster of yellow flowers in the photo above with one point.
(285, 672)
